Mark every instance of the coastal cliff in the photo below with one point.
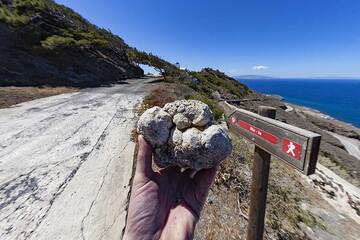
(44, 43)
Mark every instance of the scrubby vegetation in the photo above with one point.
(166, 69)
(57, 35)
(225, 215)
(41, 39)
(61, 26)
(213, 80)
(195, 85)
(57, 26)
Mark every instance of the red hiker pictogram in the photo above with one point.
(233, 120)
(291, 148)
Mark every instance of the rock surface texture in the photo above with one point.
(66, 164)
(183, 134)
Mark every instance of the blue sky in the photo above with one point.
(282, 38)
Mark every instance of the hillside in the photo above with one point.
(44, 43)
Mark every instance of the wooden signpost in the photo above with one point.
(295, 146)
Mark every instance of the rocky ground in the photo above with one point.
(323, 206)
(333, 152)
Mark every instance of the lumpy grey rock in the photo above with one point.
(181, 121)
(183, 134)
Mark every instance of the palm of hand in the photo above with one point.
(165, 204)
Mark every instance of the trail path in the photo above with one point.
(352, 146)
(66, 162)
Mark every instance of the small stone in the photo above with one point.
(175, 137)
(181, 121)
(216, 95)
(155, 125)
(191, 138)
(215, 137)
(197, 112)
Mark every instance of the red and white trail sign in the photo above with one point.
(295, 146)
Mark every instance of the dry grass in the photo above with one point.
(224, 215)
(159, 96)
(226, 211)
(164, 93)
(13, 95)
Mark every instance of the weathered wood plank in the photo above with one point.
(259, 185)
(295, 146)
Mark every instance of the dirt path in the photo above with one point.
(352, 146)
(14, 95)
(66, 162)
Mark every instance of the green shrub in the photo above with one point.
(212, 104)
(214, 80)
(72, 30)
(55, 41)
(11, 17)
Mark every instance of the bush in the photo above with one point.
(68, 28)
(167, 70)
(55, 41)
(212, 104)
(214, 80)
(11, 18)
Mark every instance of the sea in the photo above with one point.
(338, 98)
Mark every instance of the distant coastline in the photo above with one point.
(352, 145)
(263, 77)
(337, 99)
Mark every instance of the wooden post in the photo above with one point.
(260, 177)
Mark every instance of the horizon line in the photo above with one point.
(305, 77)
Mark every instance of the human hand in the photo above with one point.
(165, 204)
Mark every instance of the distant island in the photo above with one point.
(252, 77)
(263, 77)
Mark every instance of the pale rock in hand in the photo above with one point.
(183, 134)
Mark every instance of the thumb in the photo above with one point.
(144, 160)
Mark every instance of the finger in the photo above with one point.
(144, 159)
(205, 178)
(201, 185)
